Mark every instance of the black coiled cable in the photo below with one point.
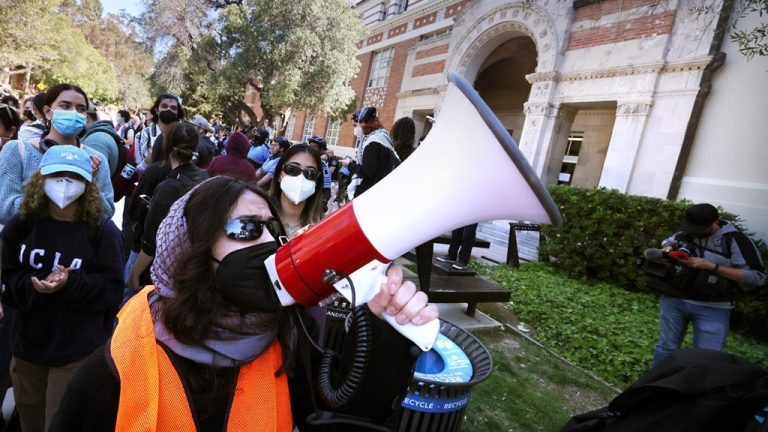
(337, 397)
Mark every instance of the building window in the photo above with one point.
(571, 157)
(332, 133)
(309, 126)
(380, 68)
(383, 11)
(289, 126)
(402, 6)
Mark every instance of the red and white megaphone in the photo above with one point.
(468, 170)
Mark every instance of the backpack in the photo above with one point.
(125, 176)
(692, 390)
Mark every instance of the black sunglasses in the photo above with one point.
(294, 170)
(248, 228)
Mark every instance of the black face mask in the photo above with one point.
(243, 281)
(29, 115)
(168, 117)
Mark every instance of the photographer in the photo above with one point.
(718, 258)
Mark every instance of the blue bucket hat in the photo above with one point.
(66, 158)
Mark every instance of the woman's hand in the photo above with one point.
(54, 282)
(95, 164)
(402, 300)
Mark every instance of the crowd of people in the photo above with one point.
(177, 296)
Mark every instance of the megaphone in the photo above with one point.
(468, 170)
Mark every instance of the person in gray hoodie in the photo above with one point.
(718, 258)
(99, 136)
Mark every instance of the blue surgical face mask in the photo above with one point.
(67, 122)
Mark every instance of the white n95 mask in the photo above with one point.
(297, 188)
(63, 191)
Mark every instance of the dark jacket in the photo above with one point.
(178, 182)
(378, 161)
(66, 326)
(234, 163)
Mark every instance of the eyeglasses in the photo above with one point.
(248, 228)
(294, 170)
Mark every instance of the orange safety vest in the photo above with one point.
(152, 397)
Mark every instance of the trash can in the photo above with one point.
(440, 389)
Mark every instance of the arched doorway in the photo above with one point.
(501, 81)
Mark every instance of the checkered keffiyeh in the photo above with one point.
(236, 339)
(172, 240)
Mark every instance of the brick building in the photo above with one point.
(607, 93)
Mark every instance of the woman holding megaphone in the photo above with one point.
(208, 347)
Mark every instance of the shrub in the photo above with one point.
(606, 231)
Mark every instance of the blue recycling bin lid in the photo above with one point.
(446, 362)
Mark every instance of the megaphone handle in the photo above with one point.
(422, 335)
(367, 283)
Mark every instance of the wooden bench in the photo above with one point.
(453, 286)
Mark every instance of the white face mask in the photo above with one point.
(359, 131)
(297, 188)
(63, 191)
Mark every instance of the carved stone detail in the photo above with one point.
(633, 108)
(540, 108)
(522, 18)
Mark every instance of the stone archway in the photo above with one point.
(478, 37)
(477, 34)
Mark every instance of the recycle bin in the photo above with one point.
(440, 389)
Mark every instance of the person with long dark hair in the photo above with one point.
(10, 123)
(180, 149)
(296, 189)
(211, 337)
(403, 134)
(65, 108)
(62, 267)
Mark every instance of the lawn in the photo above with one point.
(529, 389)
(602, 329)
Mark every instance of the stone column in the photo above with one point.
(543, 126)
(625, 142)
(544, 136)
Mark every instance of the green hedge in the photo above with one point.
(605, 232)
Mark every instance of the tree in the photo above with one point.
(751, 41)
(77, 62)
(119, 41)
(23, 44)
(293, 53)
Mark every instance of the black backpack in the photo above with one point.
(691, 390)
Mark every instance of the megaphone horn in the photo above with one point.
(467, 170)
